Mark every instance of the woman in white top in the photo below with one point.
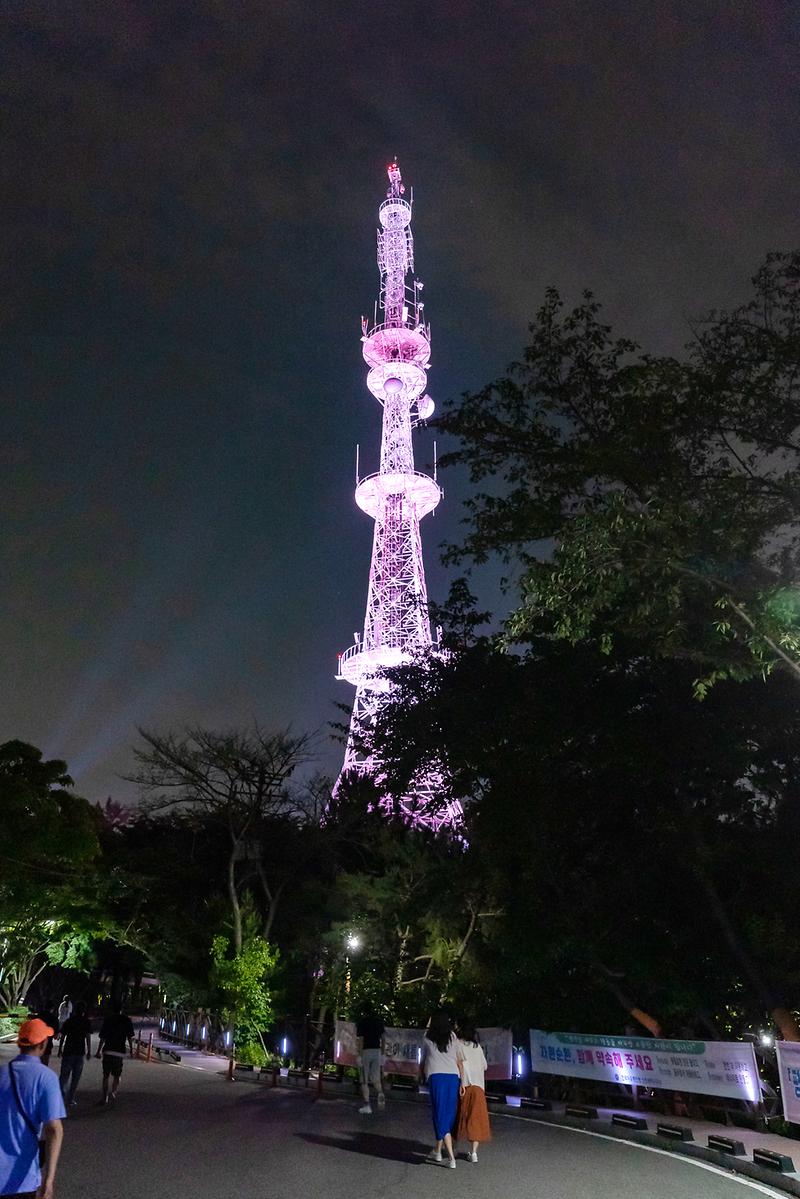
(441, 1063)
(473, 1114)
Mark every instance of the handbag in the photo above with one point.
(25, 1115)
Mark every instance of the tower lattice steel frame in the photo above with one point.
(396, 626)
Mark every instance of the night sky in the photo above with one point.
(189, 206)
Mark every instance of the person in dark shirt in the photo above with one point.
(369, 1031)
(74, 1048)
(48, 1016)
(115, 1031)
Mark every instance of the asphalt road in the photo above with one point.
(177, 1133)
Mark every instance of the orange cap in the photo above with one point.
(33, 1032)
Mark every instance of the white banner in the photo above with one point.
(499, 1050)
(345, 1052)
(402, 1050)
(725, 1068)
(789, 1070)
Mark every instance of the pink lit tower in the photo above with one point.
(396, 626)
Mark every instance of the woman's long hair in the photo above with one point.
(440, 1031)
(468, 1032)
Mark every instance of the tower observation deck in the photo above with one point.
(396, 626)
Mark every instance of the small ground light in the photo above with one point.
(338, 1048)
(203, 1033)
(174, 1025)
(227, 1038)
(520, 1064)
(285, 1044)
(766, 1039)
(419, 1055)
(187, 1029)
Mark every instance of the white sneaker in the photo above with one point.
(381, 1099)
(366, 1110)
(473, 1157)
(435, 1155)
(452, 1163)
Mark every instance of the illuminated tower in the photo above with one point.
(396, 626)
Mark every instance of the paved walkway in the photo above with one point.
(177, 1133)
(700, 1129)
(182, 1132)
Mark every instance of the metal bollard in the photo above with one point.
(231, 1068)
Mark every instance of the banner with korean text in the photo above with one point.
(724, 1068)
(789, 1070)
(402, 1050)
(345, 1051)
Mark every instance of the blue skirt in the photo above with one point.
(444, 1090)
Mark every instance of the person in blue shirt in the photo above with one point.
(31, 1106)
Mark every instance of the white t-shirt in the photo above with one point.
(474, 1064)
(437, 1062)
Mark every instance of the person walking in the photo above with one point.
(472, 1123)
(369, 1033)
(74, 1048)
(30, 1105)
(441, 1065)
(47, 1016)
(65, 1010)
(115, 1031)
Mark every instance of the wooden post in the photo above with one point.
(231, 1069)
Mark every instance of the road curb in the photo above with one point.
(724, 1161)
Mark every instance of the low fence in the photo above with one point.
(292, 1042)
(197, 1028)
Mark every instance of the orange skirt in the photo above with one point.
(472, 1123)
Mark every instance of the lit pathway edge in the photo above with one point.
(766, 1181)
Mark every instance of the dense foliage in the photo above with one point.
(653, 498)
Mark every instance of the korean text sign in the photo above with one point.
(789, 1069)
(723, 1068)
(402, 1050)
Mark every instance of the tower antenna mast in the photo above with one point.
(396, 625)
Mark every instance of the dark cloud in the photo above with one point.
(189, 194)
